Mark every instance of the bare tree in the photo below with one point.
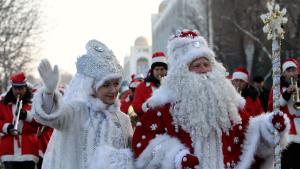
(239, 39)
(238, 36)
(19, 27)
(292, 37)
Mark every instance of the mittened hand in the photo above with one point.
(11, 131)
(49, 75)
(278, 121)
(189, 161)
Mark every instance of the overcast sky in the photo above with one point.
(69, 24)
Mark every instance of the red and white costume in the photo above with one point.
(194, 121)
(125, 102)
(286, 106)
(21, 147)
(44, 139)
(127, 98)
(251, 95)
(143, 91)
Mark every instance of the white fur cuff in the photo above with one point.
(282, 101)
(179, 156)
(267, 128)
(145, 107)
(4, 128)
(29, 117)
(161, 151)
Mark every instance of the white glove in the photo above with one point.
(49, 76)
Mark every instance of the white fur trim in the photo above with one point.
(97, 105)
(29, 117)
(134, 84)
(259, 140)
(41, 154)
(161, 151)
(294, 138)
(108, 157)
(4, 128)
(240, 75)
(267, 127)
(241, 102)
(282, 101)
(145, 107)
(287, 65)
(37, 110)
(184, 50)
(19, 158)
(179, 156)
(249, 145)
(160, 97)
(176, 43)
(159, 59)
(195, 53)
(99, 83)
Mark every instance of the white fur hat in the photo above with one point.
(290, 62)
(187, 45)
(241, 73)
(95, 67)
(99, 63)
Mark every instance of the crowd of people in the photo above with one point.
(187, 113)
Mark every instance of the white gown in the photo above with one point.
(87, 135)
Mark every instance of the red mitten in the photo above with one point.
(189, 161)
(278, 121)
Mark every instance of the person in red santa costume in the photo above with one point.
(240, 80)
(194, 119)
(290, 70)
(18, 148)
(144, 90)
(126, 100)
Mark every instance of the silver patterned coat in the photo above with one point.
(87, 134)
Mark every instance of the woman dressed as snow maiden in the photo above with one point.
(90, 130)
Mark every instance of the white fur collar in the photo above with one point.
(97, 105)
(160, 97)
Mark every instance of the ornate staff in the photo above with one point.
(273, 21)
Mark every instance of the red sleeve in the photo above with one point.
(125, 104)
(139, 98)
(44, 138)
(146, 130)
(2, 118)
(253, 107)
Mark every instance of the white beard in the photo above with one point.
(204, 105)
(204, 102)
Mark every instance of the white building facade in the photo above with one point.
(179, 14)
(139, 60)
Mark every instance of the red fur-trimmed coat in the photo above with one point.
(143, 91)
(252, 105)
(157, 143)
(44, 139)
(18, 148)
(286, 106)
(125, 102)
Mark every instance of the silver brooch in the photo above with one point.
(99, 49)
(196, 44)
